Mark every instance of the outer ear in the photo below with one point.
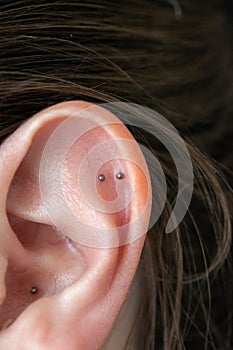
(62, 284)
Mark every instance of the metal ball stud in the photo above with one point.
(101, 177)
(34, 290)
(119, 176)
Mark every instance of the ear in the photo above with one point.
(66, 264)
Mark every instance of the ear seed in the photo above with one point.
(34, 290)
(120, 176)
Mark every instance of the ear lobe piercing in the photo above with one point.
(34, 290)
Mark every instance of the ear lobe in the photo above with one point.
(77, 285)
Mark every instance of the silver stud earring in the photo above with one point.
(101, 177)
(119, 176)
(34, 290)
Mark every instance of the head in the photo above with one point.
(78, 288)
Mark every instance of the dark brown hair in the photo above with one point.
(170, 56)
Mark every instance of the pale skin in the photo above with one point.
(81, 289)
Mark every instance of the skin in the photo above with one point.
(81, 289)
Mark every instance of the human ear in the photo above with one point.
(62, 289)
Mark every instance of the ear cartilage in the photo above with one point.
(101, 177)
(120, 176)
(34, 290)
